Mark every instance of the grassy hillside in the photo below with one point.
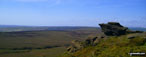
(114, 46)
(40, 43)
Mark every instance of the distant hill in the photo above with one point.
(6, 26)
(138, 28)
(14, 28)
(9, 28)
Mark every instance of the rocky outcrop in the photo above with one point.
(110, 29)
(76, 45)
(92, 41)
(115, 29)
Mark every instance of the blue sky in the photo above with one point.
(131, 13)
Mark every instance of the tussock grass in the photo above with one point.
(114, 47)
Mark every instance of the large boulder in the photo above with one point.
(113, 29)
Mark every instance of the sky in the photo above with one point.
(130, 13)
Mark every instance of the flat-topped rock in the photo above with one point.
(113, 29)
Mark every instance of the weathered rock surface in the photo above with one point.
(93, 41)
(76, 45)
(115, 29)
(72, 49)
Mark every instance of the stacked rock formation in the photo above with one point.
(115, 29)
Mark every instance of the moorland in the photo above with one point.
(27, 41)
